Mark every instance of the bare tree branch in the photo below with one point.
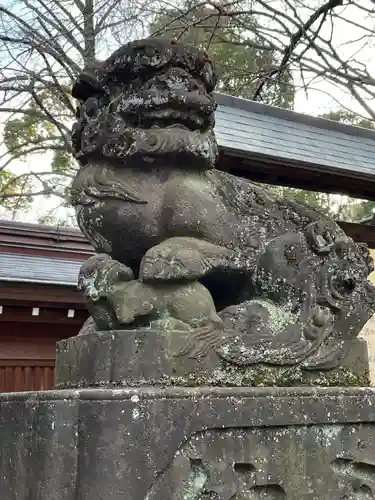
(103, 19)
(298, 35)
(44, 45)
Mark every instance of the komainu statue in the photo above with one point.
(184, 247)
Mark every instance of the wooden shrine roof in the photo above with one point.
(23, 268)
(43, 240)
(283, 147)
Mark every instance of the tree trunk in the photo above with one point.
(89, 33)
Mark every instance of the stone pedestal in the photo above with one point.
(146, 357)
(159, 438)
(188, 443)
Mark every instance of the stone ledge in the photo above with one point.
(129, 443)
(253, 406)
(98, 394)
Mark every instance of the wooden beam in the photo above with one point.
(13, 331)
(51, 316)
(29, 362)
(281, 172)
(361, 233)
(41, 295)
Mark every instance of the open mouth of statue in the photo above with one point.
(171, 119)
(190, 111)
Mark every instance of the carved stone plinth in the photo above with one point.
(188, 443)
(148, 357)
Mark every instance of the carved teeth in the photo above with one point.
(179, 126)
(173, 126)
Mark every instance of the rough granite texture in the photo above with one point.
(180, 443)
(147, 358)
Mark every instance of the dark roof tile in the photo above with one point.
(35, 269)
(251, 128)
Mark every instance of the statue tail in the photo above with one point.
(201, 340)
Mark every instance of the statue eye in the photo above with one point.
(91, 107)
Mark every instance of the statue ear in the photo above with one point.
(87, 85)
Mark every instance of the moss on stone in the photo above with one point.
(260, 376)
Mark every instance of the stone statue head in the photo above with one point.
(151, 99)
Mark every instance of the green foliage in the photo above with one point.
(240, 62)
(11, 184)
(50, 219)
(356, 210)
(62, 161)
(35, 131)
(349, 118)
(319, 201)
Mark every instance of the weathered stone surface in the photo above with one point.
(137, 358)
(38, 446)
(275, 282)
(180, 443)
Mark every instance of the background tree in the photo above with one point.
(242, 60)
(43, 47)
(239, 59)
(315, 41)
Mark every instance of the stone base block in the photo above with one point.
(181, 443)
(145, 357)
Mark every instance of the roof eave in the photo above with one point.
(289, 115)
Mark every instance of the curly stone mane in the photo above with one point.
(149, 98)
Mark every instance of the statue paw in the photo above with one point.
(98, 273)
(163, 263)
(182, 258)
